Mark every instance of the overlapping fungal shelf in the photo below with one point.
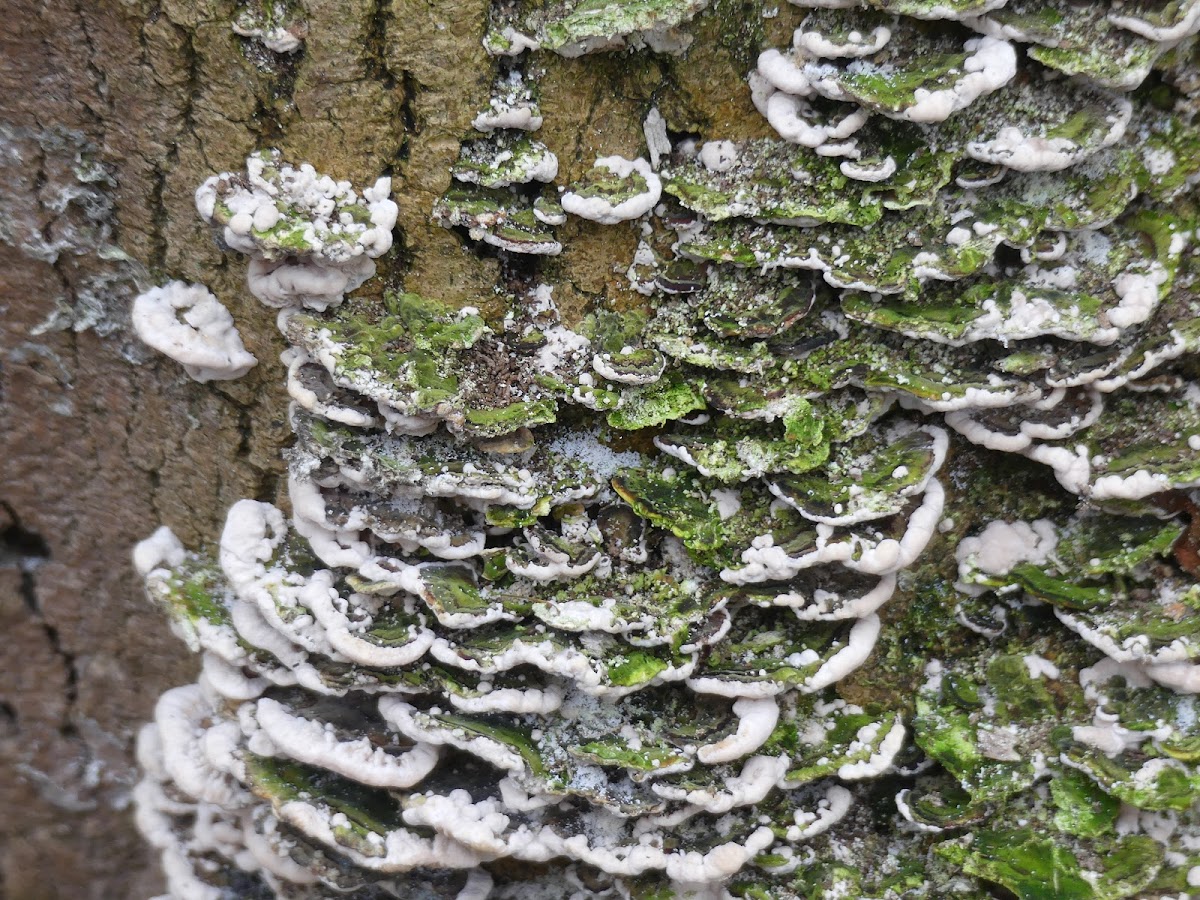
(854, 556)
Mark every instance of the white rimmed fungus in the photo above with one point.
(635, 193)
(190, 325)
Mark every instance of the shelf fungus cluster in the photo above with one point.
(851, 552)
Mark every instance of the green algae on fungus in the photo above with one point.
(501, 219)
(1075, 40)
(505, 158)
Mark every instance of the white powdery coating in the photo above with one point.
(310, 522)
(296, 360)
(250, 626)
(1182, 677)
(403, 717)
(480, 826)
(990, 64)
(548, 565)
(1040, 667)
(162, 548)
(561, 343)
(1136, 648)
(1014, 149)
(478, 887)
(859, 645)
(869, 172)
(759, 776)
(601, 365)
(277, 39)
(825, 606)
(521, 701)
(1004, 545)
(252, 532)
(977, 433)
(764, 561)
(815, 44)
(554, 659)
(399, 851)
(597, 209)
(756, 721)
(865, 513)
(1072, 468)
(905, 809)
(583, 615)
(309, 742)
(229, 681)
(181, 878)
(265, 854)
(891, 555)
(502, 116)
(718, 156)
(830, 811)
(483, 826)
(1139, 295)
(879, 761)
(794, 119)
(187, 323)
(1133, 487)
(1110, 738)
(342, 636)
(543, 168)
(254, 204)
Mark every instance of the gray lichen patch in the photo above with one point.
(576, 27)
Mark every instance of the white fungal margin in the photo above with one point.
(189, 324)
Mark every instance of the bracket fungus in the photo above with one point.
(850, 553)
(191, 326)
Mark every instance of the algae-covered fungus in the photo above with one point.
(615, 190)
(847, 548)
(311, 239)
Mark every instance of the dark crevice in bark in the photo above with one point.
(404, 253)
(27, 550)
(24, 550)
(407, 116)
(375, 53)
(268, 125)
(162, 170)
(9, 725)
(100, 81)
(71, 691)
